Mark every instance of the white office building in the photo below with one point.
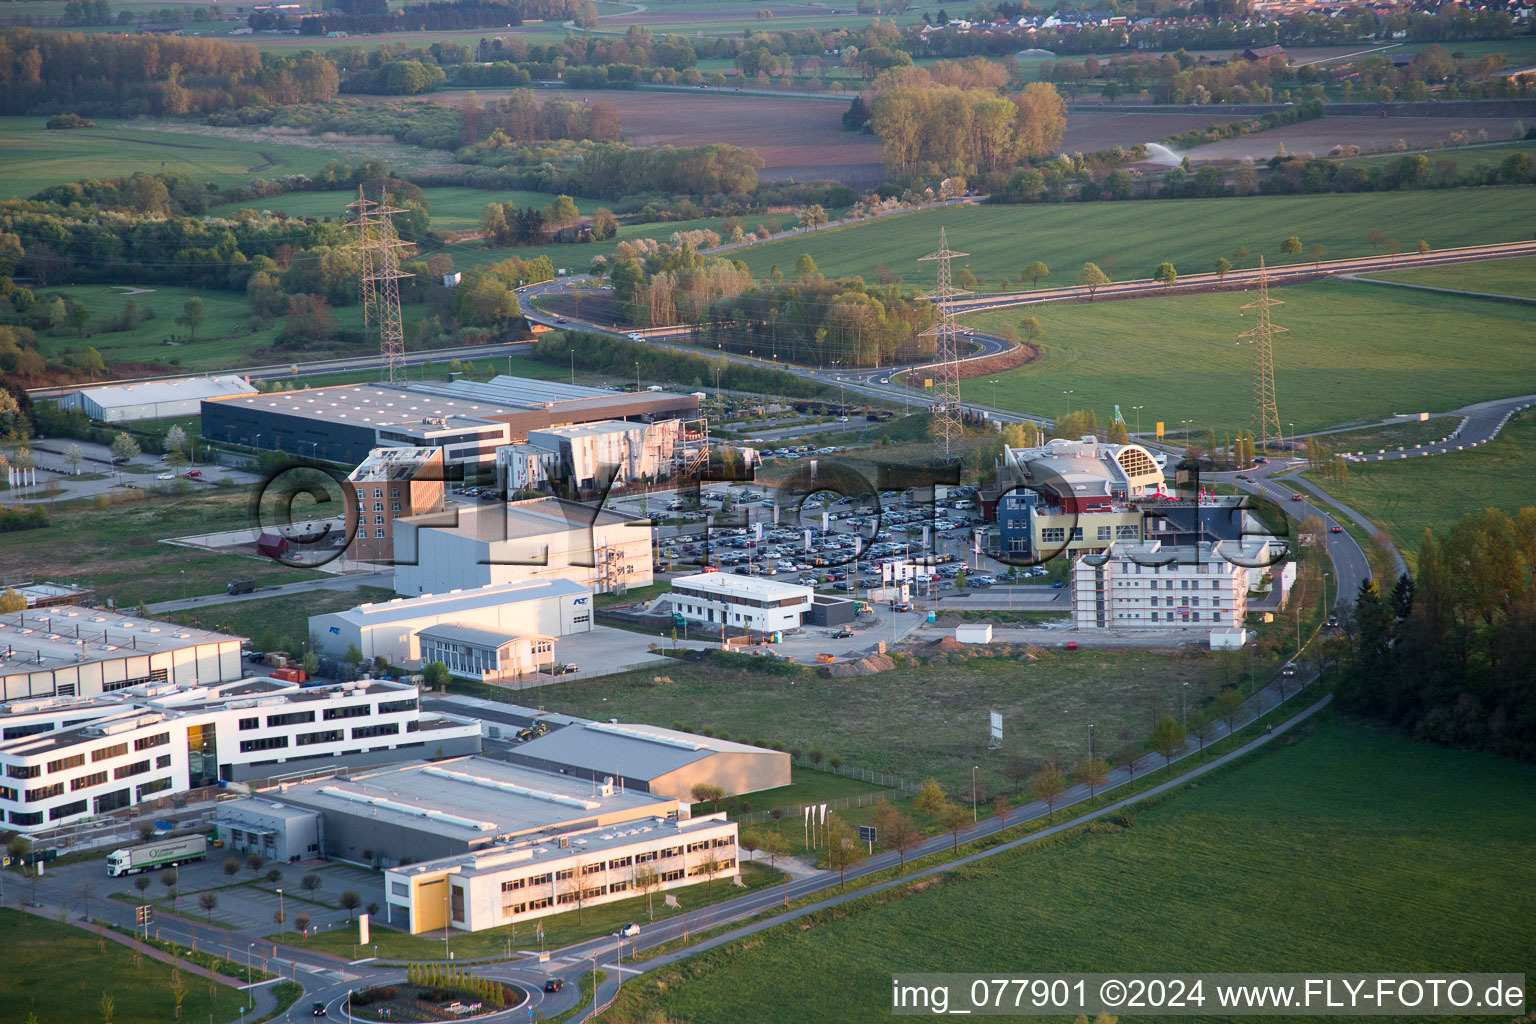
(73, 651)
(743, 602)
(520, 541)
(534, 878)
(64, 759)
(500, 631)
(1145, 585)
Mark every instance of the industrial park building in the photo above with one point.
(389, 484)
(67, 759)
(554, 874)
(422, 810)
(492, 633)
(1147, 585)
(519, 541)
(584, 454)
(744, 602)
(124, 403)
(469, 420)
(666, 762)
(71, 651)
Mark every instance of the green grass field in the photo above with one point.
(1409, 495)
(1355, 353)
(32, 158)
(288, 617)
(918, 720)
(117, 553)
(1407, 433)
(60, 973)
(1347, 847)
(1192, 233)
(223, 339)
(1496, 277)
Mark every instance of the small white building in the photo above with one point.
(123, 403)
(495, 632)
(1145, 585)
(974, 633)
(744, 602)
(521, 541)
(535, 878)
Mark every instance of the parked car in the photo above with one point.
(166, 476)
(842, 634)
(197, 473)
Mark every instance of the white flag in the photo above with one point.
(757, 532)
(976, 541)
(826, 522)
(807, 814)
(823, 814)
(807, 540)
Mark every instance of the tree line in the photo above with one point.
(1449, 654)
(372, 17)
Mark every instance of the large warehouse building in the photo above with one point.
(71, 651)
(123, 403)
(468, 419)
(513, 627)
(666, 762)
(423, 810)
(519, 541)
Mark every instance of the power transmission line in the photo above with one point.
(948, 427)
(379, 250)
(1265, 414)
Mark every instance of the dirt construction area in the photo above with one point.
(1371, 134)
(797, 138)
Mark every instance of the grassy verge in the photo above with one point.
(589, 984)
(219, 964)
(1278, 862)
(63, 975)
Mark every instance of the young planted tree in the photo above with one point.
(1037, 272)
(74, 456)
(1227, 706)
(705, 792)
(1093, 773)
(647, 880)
(1165, 274)
(931, 799)
(124, 448)
(844, 850)
(310, 882)
(1048, 785)
(302, 922)
(142, 883)
(953, 818)
(349, 901)
(192, 316)
(208, 901)
(1223, 268)
(1167, 738)
(1001, 808)
(1092, 278)
(1291, 246)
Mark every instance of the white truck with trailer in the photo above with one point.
(164, 853)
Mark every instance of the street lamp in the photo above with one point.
(282, 917)
(1293, 436)
(974, 768)
(1184, 704)
(1068, 395)
(1137, 410)
(994, 392)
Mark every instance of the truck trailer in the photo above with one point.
(165, 853)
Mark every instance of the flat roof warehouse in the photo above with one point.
(345, 422)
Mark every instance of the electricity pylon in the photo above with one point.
(379, 250)
(948, 426)
(1266, 416)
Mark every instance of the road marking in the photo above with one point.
(258, 984)
(364, 960)
(626, 970)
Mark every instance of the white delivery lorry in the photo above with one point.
(163, 854)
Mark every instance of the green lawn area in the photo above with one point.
(117, 551)
(288, 617)
(918, 720)
(1408, 433)
(1467, 158)
(1345, 846)
(60, 973)
(1497, 277)
(1355, 353)
(559, 929)
(1408, 495)
(807, 785)
(32, 157)
(223, 340)
(1192, 233)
